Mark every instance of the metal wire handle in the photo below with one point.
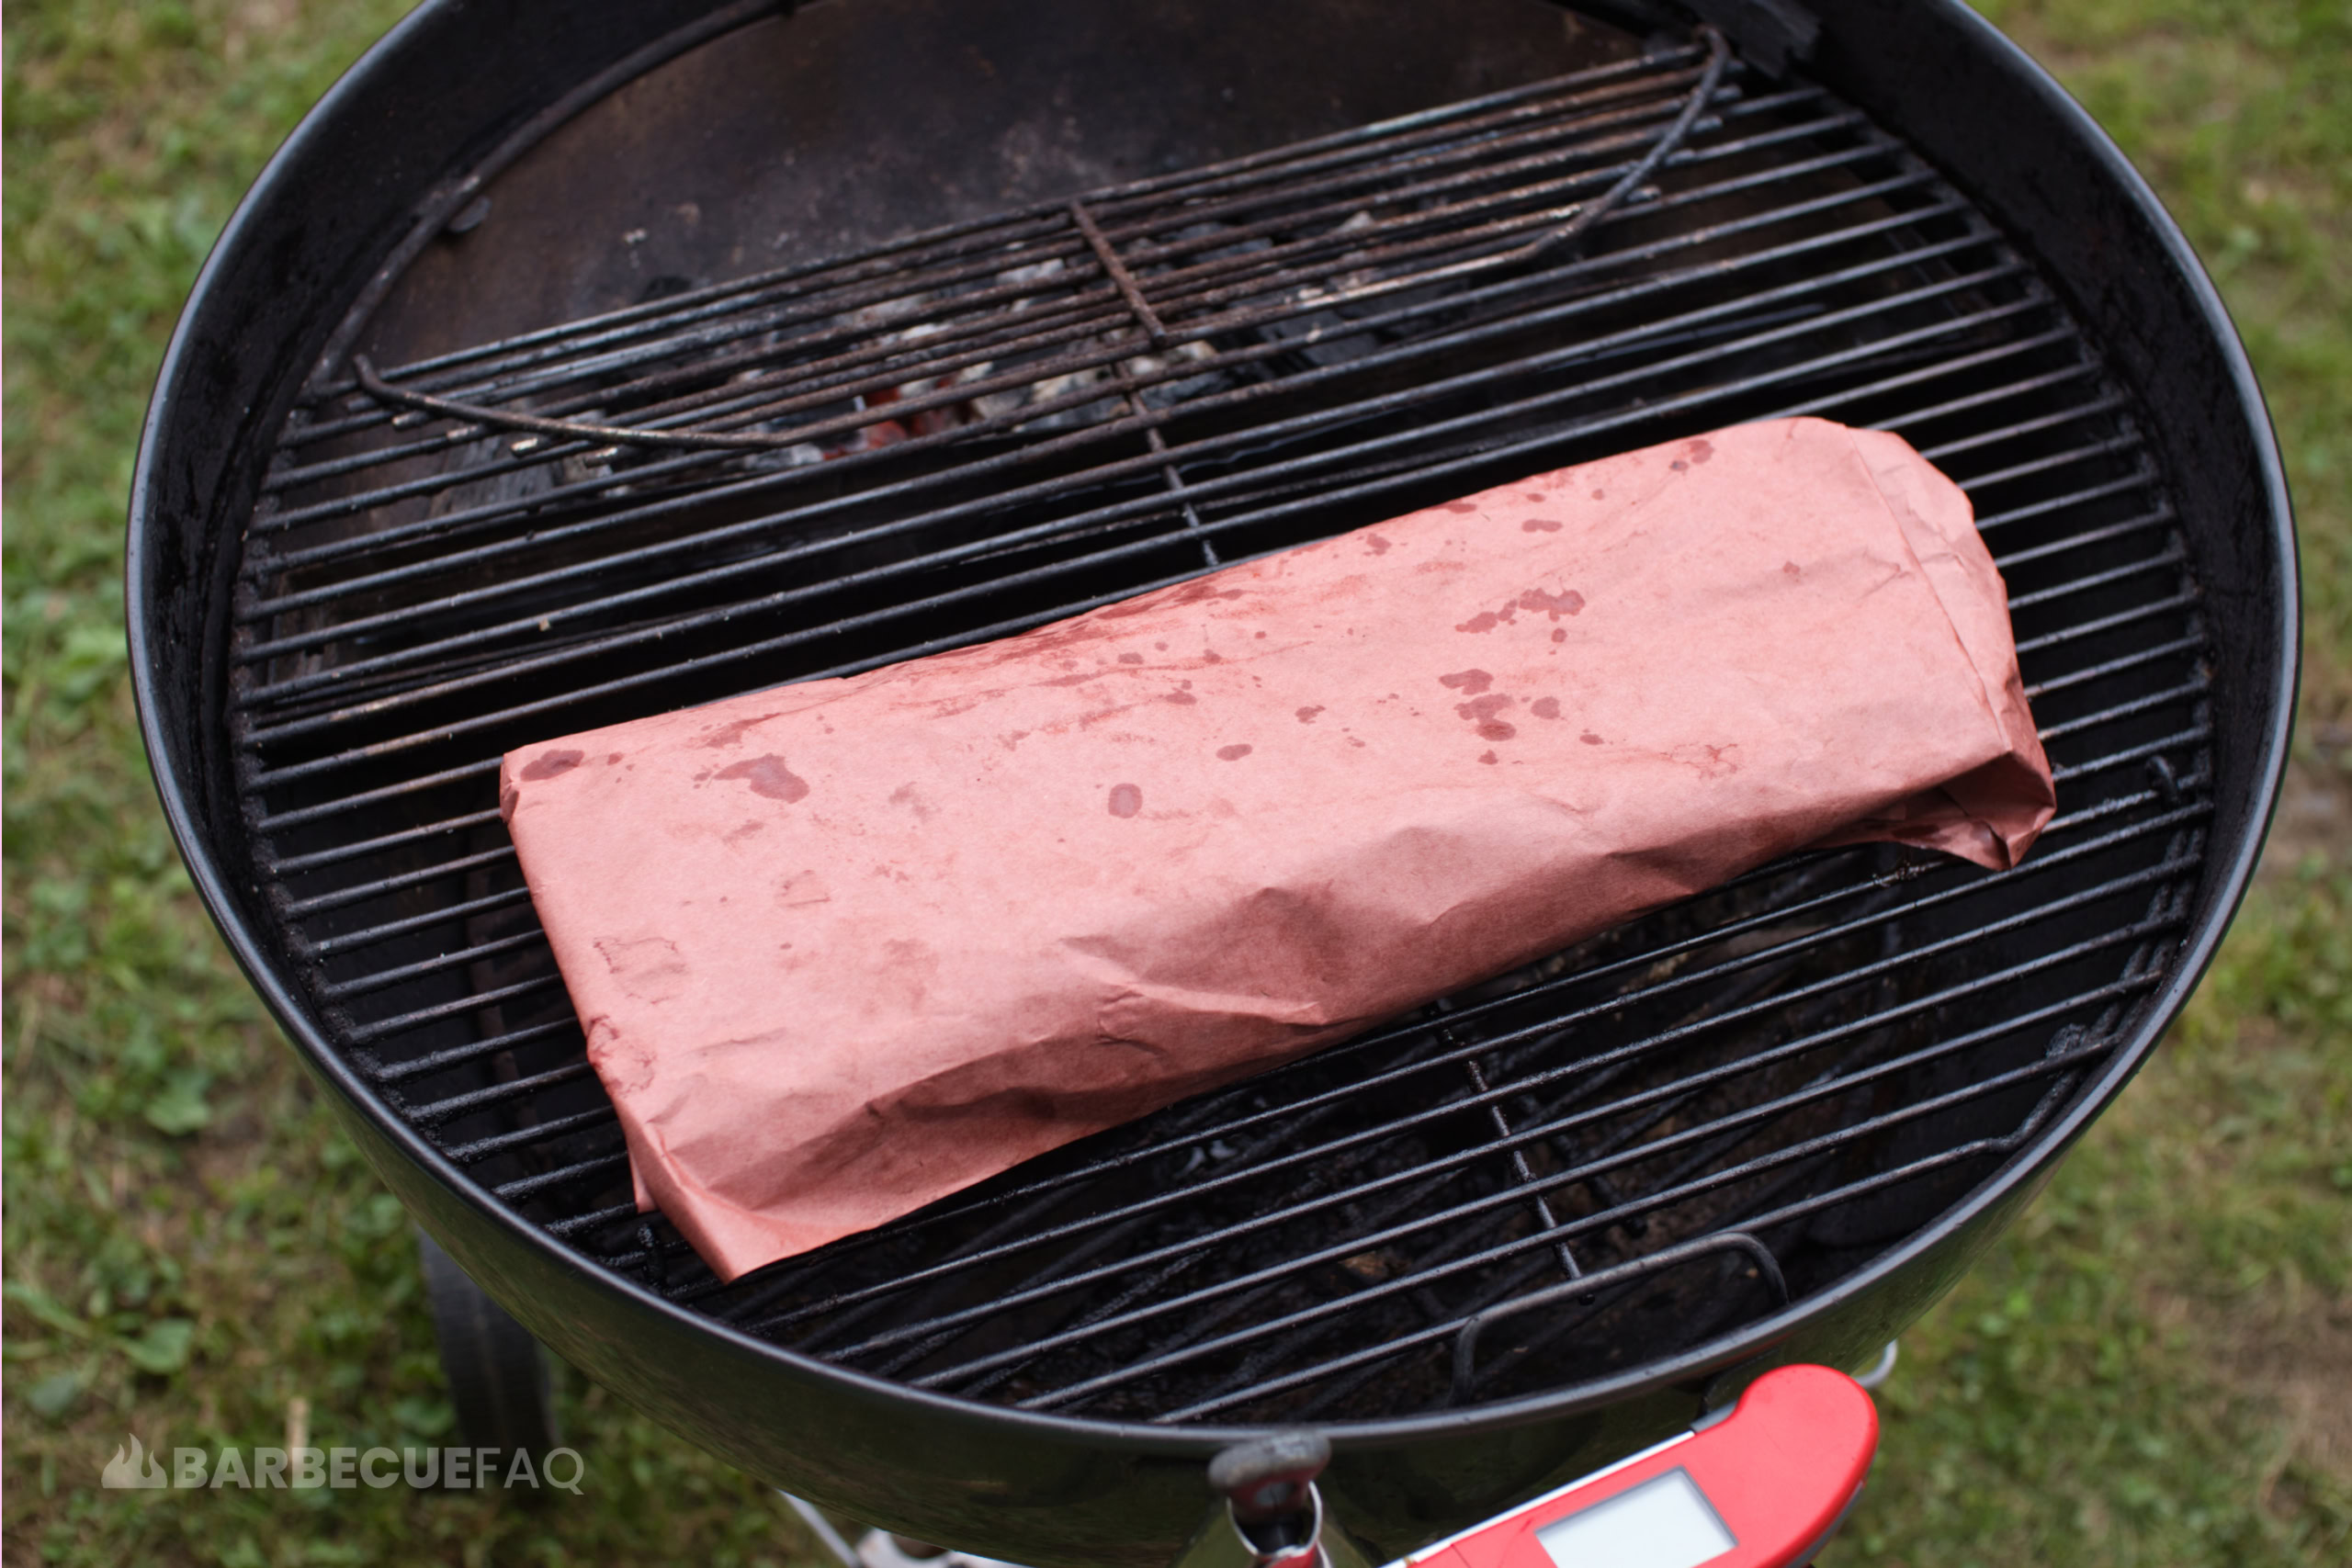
(1465, 1341)
(1718, 61)
(475, 413)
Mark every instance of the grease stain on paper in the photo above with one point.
(731, 733)
(1538, 600)
(1483, 711)
(768, 776)
(802, 889)
(1566, 602)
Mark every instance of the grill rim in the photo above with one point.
(186, 776)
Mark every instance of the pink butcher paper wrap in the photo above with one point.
(844, 947)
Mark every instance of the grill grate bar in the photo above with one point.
(2159, 518)
(2116, 622)
(360, 892)
(598, 1219)
(2142, 479)
(2103, 671)
(955, 598)
(2172, 556)
(1621, 130)
(1944, 367)
(2105, 402)
(1015, 1216)
(2081, 369)
(1397, 1201)
(1507, 286)
(433, 1113)
(2188, 691)
(443, 1061)
(598, 1117)
(280, 866)
(359, 800)
(327, 947)
(378, 979)
(601, 1117)
(2179, 740)
(2124, 442)
(369, 1034)
(381, 750)
(560, 1128)
(531, 1186)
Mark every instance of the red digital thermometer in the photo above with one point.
(1762, 1487)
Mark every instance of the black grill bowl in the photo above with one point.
(1772, 1124)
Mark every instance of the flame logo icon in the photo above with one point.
(137, 1468)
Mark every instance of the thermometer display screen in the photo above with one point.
(1663, 1523)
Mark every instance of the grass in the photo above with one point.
(191, 1245)
(2150, 1369)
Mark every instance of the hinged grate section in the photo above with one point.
(1621, 1151)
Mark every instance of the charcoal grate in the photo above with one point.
(1635, 1144)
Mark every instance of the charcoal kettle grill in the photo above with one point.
(563, 370)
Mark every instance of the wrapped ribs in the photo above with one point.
(844, 947)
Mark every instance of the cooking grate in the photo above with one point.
(1569, 1172)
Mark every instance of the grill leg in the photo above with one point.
(496, 1372)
